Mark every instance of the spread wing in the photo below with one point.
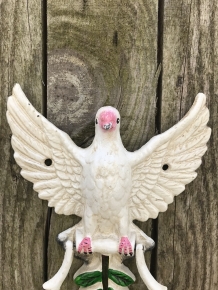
(47, 155)
(163, 166)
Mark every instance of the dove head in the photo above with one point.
(107, 119)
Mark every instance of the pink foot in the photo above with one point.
(125, 247)
(85, 246)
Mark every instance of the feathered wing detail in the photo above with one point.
(163, 166)
(34, 141)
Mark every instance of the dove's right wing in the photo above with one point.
(37, 142)
(162, 167)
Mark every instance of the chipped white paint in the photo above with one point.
(15, 275)
(105, 184)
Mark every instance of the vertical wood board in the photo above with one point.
(188, 231)
(21, 212)
(100, 53)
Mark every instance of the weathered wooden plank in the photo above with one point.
(188, 231)
(100, 53)
(21, 212)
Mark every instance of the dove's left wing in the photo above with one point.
(163, 166)
(47, 156)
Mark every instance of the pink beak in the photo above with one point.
(107, 120)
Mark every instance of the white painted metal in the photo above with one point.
(105, 184)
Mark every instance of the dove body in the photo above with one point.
(106, 187)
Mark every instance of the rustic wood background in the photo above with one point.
(72, 57)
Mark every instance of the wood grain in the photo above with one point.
(104, 53)
(188, 232)
(21, 212)
(101, 53)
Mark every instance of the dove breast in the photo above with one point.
(106, 182)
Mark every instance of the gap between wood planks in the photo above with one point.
(160, 30)
(44, 112)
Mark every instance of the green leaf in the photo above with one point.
(120, 278)
(88, 278)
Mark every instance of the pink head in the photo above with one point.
(107, 118)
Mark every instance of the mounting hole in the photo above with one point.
(48, 162)
(165, 167)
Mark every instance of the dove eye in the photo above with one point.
(96, 121)
(118, 120)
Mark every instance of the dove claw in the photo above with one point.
(85, 246)
(125, 247)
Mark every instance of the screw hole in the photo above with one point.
(165, 167)
(48, 162)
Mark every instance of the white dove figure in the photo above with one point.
(105, 184)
